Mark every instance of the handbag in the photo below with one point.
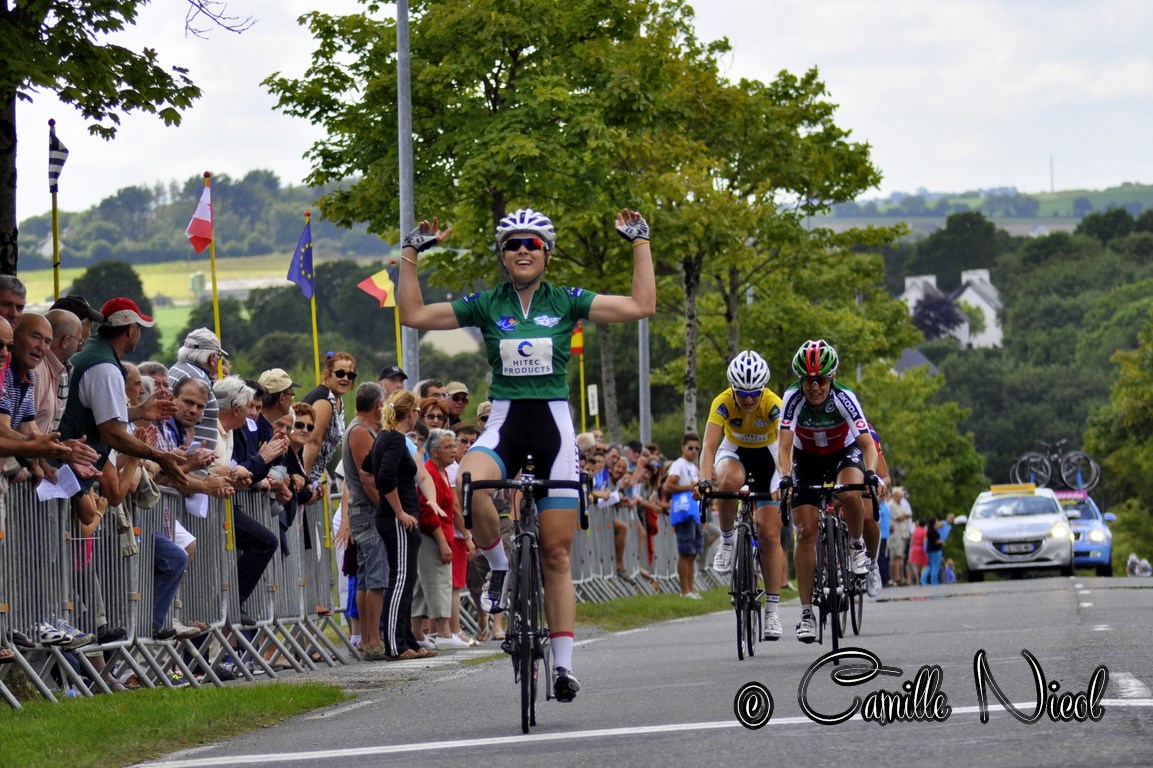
(684, 508)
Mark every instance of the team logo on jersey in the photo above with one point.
(469, 298)
(525, 349)
(506, 324)
(574, 292)
(830, 406)
(723, 411)
(861, 425)
(526, 357)
(737, 422)
(775, 413)
(547, 321)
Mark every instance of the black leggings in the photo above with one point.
(396, 619)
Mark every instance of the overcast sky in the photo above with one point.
(952, 95)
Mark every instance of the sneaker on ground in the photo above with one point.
(426, 642)
(451, 643)
(772, 626)
(566, 685)
(860, 560)
(493, 596)
(723, 559)
(692, 595)
(807, 628)
(107, 634)
(177, 680)
(74, 638)
(225, 671)
(873, 580)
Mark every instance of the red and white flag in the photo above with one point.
(199, 230)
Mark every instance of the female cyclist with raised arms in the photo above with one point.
(740, 443)
(527, 327)
(824, 437)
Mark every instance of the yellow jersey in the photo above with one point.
(754, 430)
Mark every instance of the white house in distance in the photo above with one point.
(977, 291)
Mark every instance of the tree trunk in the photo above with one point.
(9, 254)
(609, 383)
(691, 269)
(733, 312)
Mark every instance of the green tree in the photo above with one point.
(968, 241)
(62, 47)
(1107, 225)
(109, 280)
(936, 315)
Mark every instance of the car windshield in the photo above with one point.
(1085, 510)
(1014, 506)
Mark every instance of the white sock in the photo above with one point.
(562, 650)
(727, 536)
(772, 603)
(497, 559)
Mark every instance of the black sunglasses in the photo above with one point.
(341, 374)
(431, 416)
(819, 381)
(301, 425)
(460, 398)
(532, 243)
(10, 347)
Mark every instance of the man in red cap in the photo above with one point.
(97, 408)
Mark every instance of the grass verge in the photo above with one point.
(127, 728)
(639, 610)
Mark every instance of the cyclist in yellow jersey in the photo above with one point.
(740, 447)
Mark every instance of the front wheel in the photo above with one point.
(1079, 471)
(833, 585)
(857, 610)
(530, 615)
(741, 591)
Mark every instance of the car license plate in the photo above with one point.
(1014, 549)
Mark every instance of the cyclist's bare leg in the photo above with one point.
(557, 528)
(872, 530)
(851, 502)
(805, 554)
(730, 475)
(769, 543)
(485, 520)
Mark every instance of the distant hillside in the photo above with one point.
(1017, 213)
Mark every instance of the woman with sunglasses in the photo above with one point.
(327, 400)
(740, 446)
(527, 326)
(824, 437)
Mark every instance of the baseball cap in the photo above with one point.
(456, 388)
(276, 380)
(202, 338)
(124, 311)
(80, 307)
(392, 370)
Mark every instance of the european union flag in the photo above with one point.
(300, 271)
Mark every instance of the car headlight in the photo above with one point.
(973, 534)
(1098, 535)
(1061, 531)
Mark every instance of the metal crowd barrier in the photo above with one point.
(49, 572)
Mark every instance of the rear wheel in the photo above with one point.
(975, 575)
(1032, 467)
(1105, 570)
(857, 609)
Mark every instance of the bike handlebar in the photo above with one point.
(526, 485)
(835, 490)
(706, 491)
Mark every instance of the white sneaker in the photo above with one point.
(723, 559)
(807, 628)
(860, 560)
(184, 632)
(873, 580)
(692, 595)
(427, 643)
(451, 643)
(771, 626)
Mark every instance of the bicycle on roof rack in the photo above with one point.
(1076, 469)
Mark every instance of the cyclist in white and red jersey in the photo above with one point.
(739, 447)
(824, 437)
(527, 327)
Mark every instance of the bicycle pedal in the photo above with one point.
(508, 645)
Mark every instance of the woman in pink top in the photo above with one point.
(918, 557)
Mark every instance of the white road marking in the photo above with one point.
(1128, 686)
(1084, 605)
(1102, 628)
(339, 756)
(340, 710)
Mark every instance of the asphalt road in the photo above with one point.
(664, 695)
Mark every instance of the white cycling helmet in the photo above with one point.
(748, 371)
(526, 220)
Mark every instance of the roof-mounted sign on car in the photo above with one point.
(1012, 487)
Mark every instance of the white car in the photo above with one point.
(1016, 528)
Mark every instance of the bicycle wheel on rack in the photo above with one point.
(1032, 467)
(525, 614)
(1079, 471)
(740, 589)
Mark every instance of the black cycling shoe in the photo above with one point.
(565, 686)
